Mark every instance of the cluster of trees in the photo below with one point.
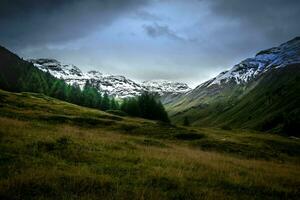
(145, 106)
(51, 86)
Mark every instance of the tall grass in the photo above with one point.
(131, 158)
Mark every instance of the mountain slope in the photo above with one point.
(119, 86)
(245, 96)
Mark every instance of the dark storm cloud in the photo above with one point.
(34, 22)
(144, 15)
(155, 30)
(275, 19)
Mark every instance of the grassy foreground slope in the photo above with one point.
(55, 150)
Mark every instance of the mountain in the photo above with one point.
(119, 86)
(260, 93)
(113, 85)
(248, 69)
(164, 87)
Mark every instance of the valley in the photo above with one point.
(67, 134)
(266, 85)
(149, 100)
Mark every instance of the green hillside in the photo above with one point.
(269, 103)
(51, 149)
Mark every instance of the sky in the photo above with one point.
(179, 40)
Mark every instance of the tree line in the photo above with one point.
(45, 83)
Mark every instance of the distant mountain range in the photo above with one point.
(118, 86)
(262, 92)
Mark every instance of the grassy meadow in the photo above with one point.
(55, 150)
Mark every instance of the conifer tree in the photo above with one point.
(114, 104)
(124, 105)
(105, 102)
(133, 107)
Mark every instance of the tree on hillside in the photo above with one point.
(114, 104)
(161, 113)
(124, 105)
(133, 107)
(75, 95)
(105, 105)
(58, 89)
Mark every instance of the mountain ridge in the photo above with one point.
(114, 85)
(283, 55)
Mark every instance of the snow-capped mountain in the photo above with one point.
(276, 57)
(114, 85)
(163, 87)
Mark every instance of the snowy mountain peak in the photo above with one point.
(95, 74)
(165, 87)
(57, 69)
(114, 85)
(281, 56)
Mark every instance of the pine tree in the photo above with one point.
(133, 107)
(114, 104)
(105, 105)
(75, 94)
(162, 114)
(124, 105)
(145, 105)
(58, 90)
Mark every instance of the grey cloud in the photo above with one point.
(33, 22)
(147, 16)
(157, 30)
(277, 20)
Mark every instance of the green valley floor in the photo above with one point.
(51, 149)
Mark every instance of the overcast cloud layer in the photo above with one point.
(180, 40)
